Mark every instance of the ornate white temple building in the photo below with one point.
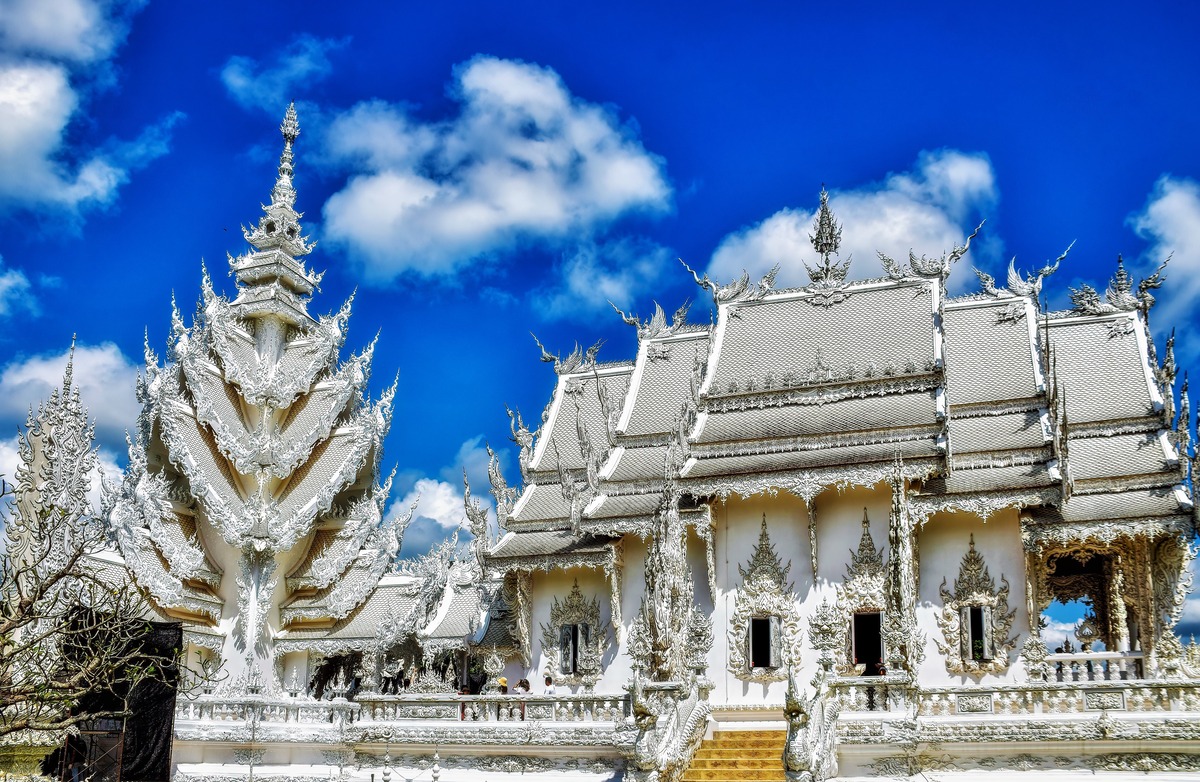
(813, 538)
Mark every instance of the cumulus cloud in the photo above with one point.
(79, 31)
(1170, 221)
(104, 376)
(268, 87)
(928, 210)
(16, 293)
(439, 512)
(523, 161)
(595, 273)
(51, 53)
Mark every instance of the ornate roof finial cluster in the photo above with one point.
(1120, 295)
(826, 239)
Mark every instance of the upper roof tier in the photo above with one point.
(986, 396)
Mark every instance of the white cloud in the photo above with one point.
(80, 31)
(1170, 220)
(269, 88)
(525, 160)
(16, 293)
(439, 512)
(595, 273)
(50, 53)
(104, 376)
(928, 210)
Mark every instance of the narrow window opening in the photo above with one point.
(977, 650)
(760, 642)
(868, 643)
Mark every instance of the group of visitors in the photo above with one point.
(523, 687)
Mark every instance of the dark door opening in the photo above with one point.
(760, 642)
(868, 643)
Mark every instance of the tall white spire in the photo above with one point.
(273, 278)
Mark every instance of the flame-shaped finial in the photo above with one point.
(284, 193)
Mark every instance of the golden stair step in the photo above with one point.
(737, 763)
(719, 753)
(741, 774)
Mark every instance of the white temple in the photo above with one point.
(812, 539)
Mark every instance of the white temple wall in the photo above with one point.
(838, 526)
(544, 588)
(944, 540)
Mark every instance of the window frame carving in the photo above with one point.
(975, 588)
(575, 609)
(764, 594)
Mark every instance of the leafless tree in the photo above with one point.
(74, 629)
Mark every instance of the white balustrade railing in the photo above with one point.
(582, 708)
(1095, 666)
(869, 693)
(495, 708)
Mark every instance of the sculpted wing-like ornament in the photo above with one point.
(987, 282)
(1155, 280)
(703, 282)
(680, 316)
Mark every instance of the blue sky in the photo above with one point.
(480, 171)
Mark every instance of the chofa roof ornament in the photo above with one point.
(928, 267)
(1029, 286)
(1119, 296)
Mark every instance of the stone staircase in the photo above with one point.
(739, 756)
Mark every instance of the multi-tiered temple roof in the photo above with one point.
(988, 401)
(253, 505)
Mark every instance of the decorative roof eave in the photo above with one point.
(1114, 426)
(784, 397)
(1159, 480)
(982, 504)
(334, 602)
(151, 574)
(364, 517)
(274, 263)
(273, 299)
(1055, 535)
(808, 484)
(992, 409)
(237, 518)
(257, 380)
(597, 560)
(975, 460)
(279, 452)
(546, 434)
(814, 442)
(145, 503)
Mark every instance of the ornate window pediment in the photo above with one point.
(764, 632)
(862, 592)
(573, 641)
(975, 619)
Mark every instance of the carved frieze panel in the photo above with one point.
(764, 594)
(975, 619)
